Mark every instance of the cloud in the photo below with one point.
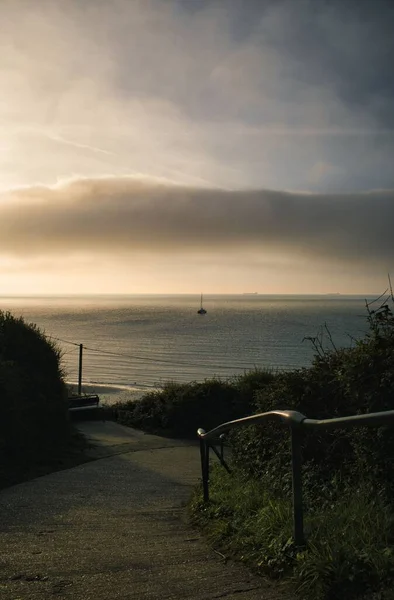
(129, 216)
(237, 94)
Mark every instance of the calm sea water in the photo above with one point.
(135, 343)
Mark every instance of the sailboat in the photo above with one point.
(201, 310)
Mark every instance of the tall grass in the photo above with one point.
(350, 545)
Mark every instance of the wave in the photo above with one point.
(111, 388)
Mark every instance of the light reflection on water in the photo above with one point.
(134, 343)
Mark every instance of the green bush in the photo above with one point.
(180, 409)
(246, 387)
(33, 401)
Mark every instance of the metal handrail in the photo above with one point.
(297, 422)
(366, 420)
(291, 416)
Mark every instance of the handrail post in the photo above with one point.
(221, 438)
(296, 461)
(204, 453)
(206, 471)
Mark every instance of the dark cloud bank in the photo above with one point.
(120, 216)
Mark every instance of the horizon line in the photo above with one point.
(116, 294)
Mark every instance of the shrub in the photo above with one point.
(33, 401)
(246, 387)
(180, 409)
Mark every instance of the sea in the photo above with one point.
(134, 344)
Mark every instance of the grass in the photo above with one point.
(350, 545)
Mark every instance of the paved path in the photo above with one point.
(115, 528)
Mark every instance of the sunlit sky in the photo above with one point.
(179, 146)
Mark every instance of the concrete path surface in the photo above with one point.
(115, 528)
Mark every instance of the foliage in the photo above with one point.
(350, 545)
(339, 383)
(180, 409)
(33, 403)
(247, 386)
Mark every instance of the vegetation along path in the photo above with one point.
(115, 527)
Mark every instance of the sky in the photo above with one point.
(180, 146)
